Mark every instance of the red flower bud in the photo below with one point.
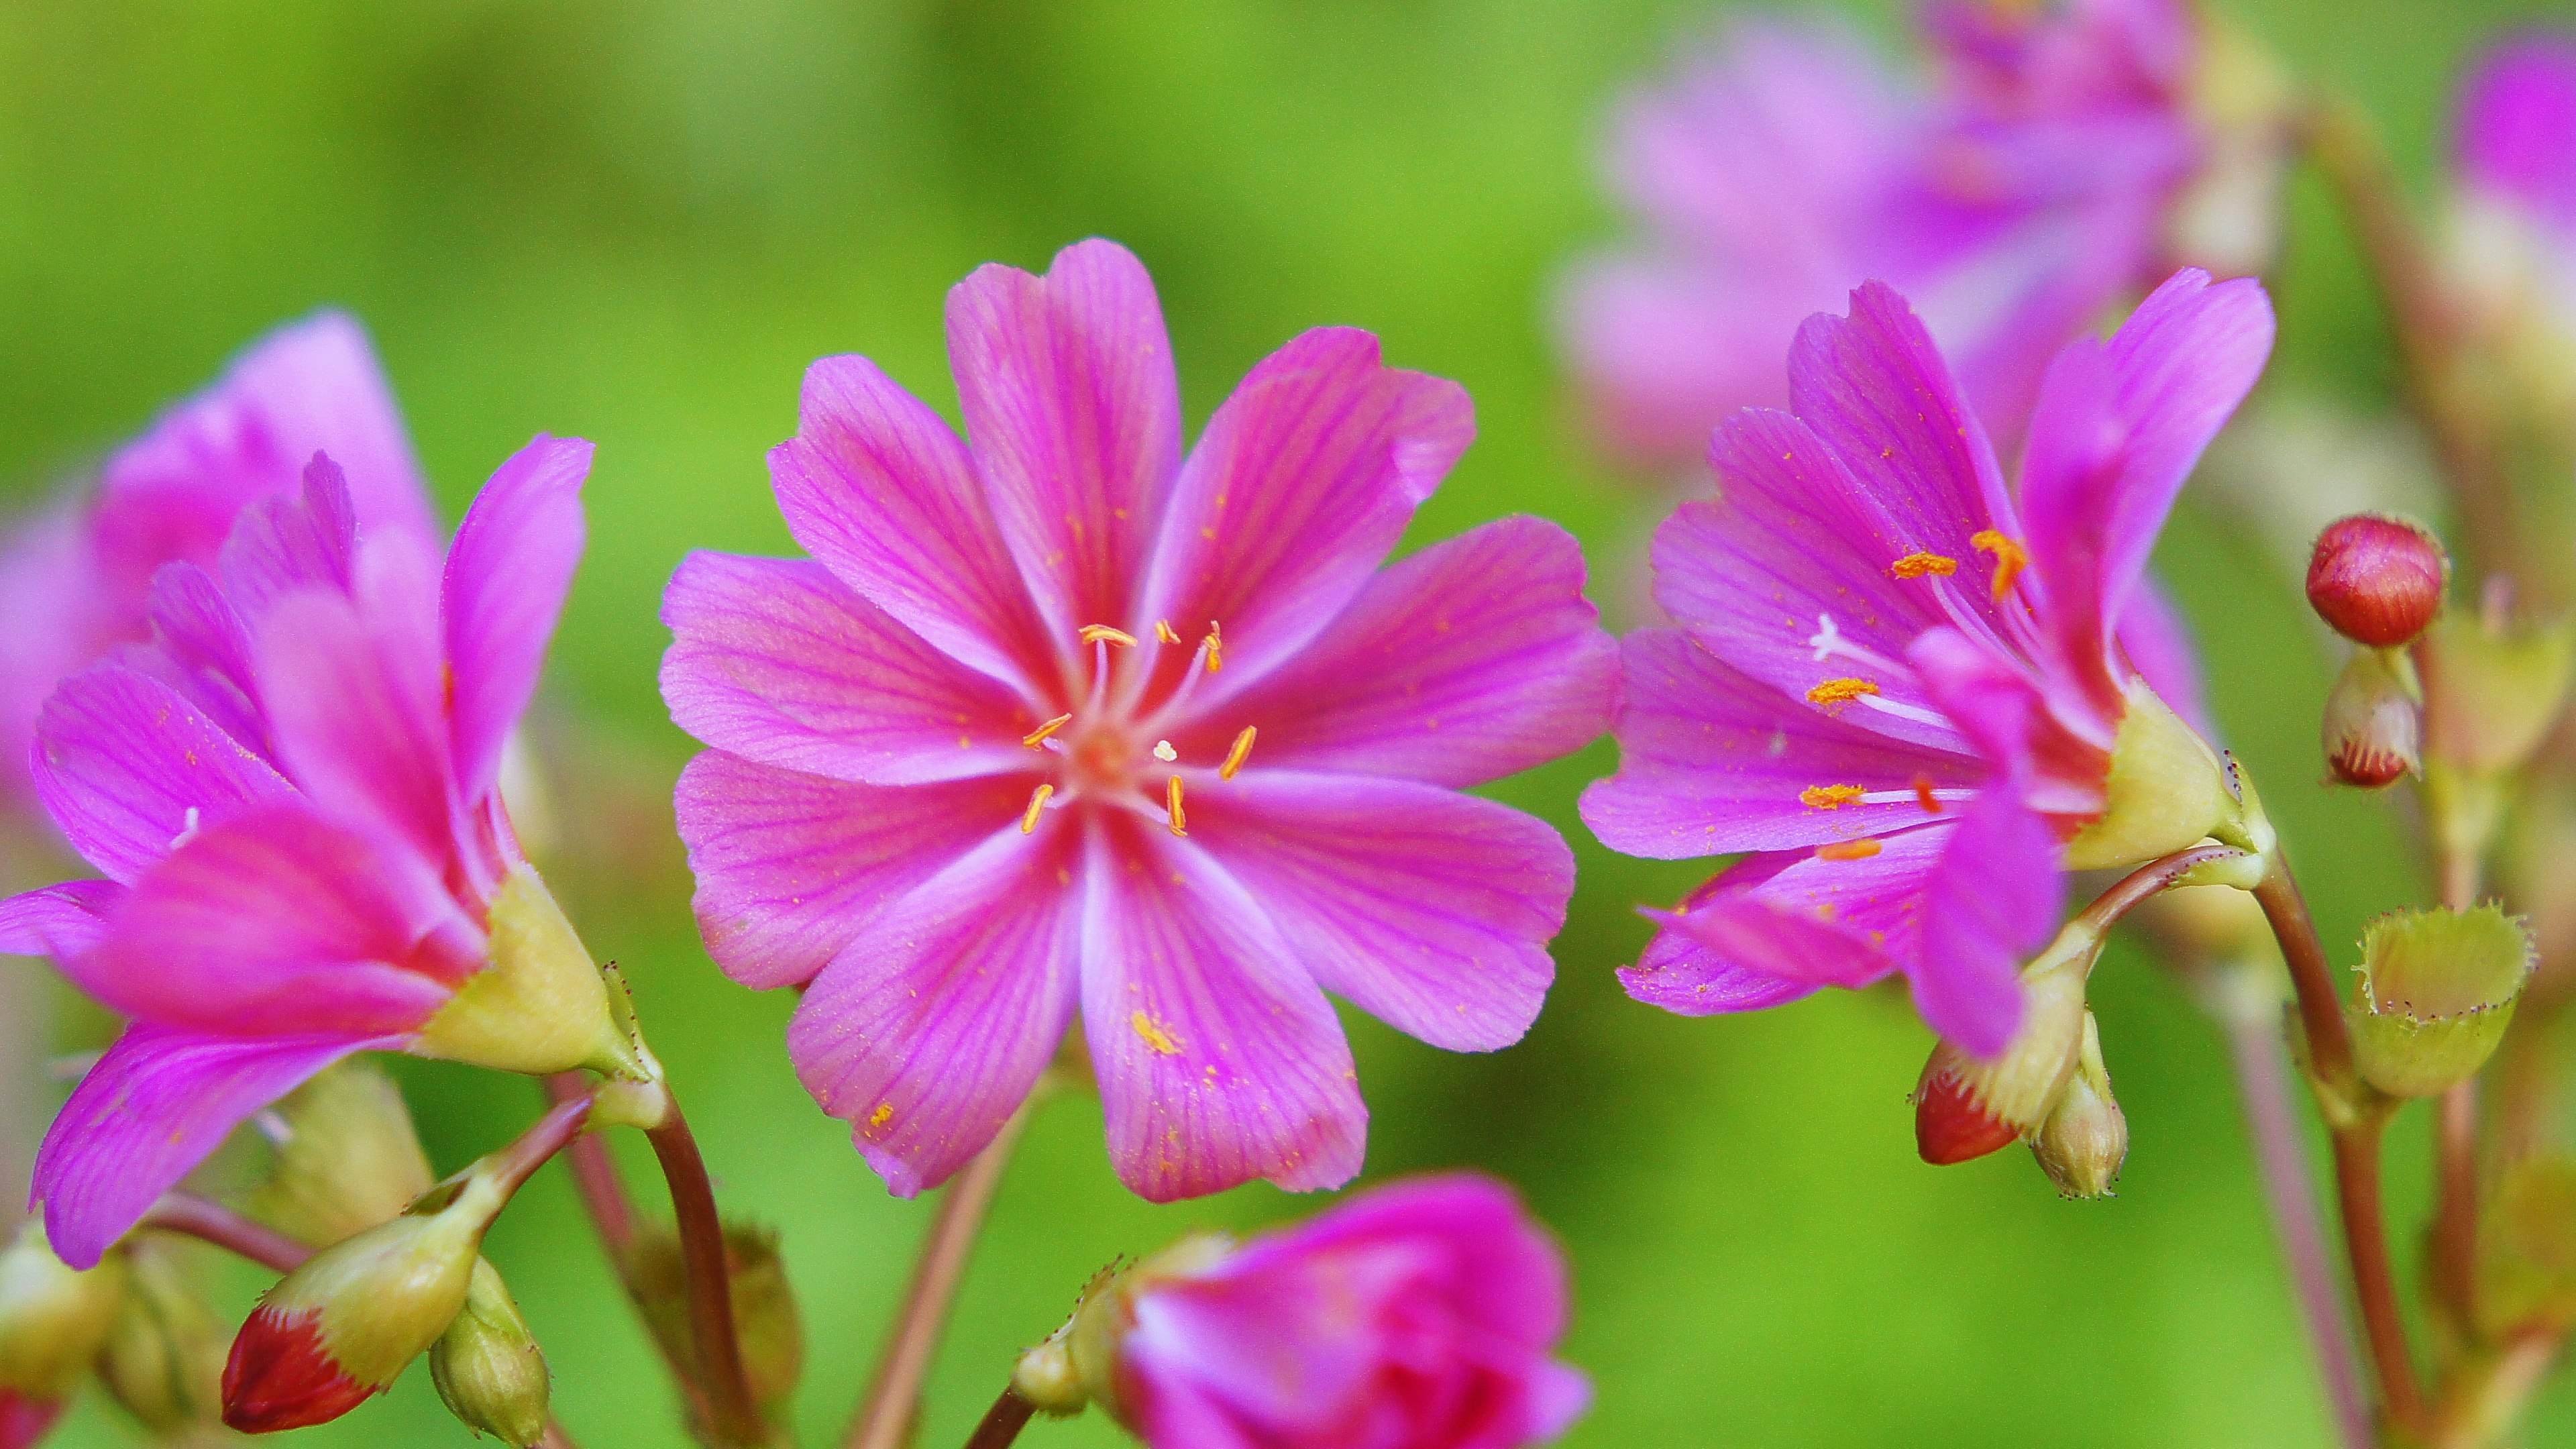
(23, 1421)
(2377, 580)
(2373, 729)
(280, 1376)
(1949, 1124)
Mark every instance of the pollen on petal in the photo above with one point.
(1830, 797)
(1924, 797)
(1102, 633)
(1037, 802)
(1916, 565)
(1840, 691)
(1037, 737)
(1154, 1035)
(1235, 757)
(1172, 796)
(1861, 849)
(881, 1116)
(2010, 558)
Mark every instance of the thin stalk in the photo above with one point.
(209, 1221)
(2320, 1003)
(885, 1416)
(2453, 1238)
(1002, 1423)
(2374, 1285)
(733, 1415)
(594, 1176)
(2492, 1391)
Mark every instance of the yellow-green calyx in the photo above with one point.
(2167, 791)
(53, 1319)
(384, 1296)
(488, 1368)
(2491, 692)
(543, 1005)
(1079, 1365)
(2437, 991)
(164, 1359)
(346, 1157)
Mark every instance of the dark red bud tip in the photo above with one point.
(2364, 768)
(23, 1421)
(281, 1377)
(2377, 580)
(1949, 1126)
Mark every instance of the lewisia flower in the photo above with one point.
(2514, 222)
(1781, 167)
(290, 792)
(76, 580)
(1914, 700)
(1419, 1315)
(1064, 717)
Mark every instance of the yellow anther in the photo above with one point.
(1916, 565)
(1215, 647)
(1037, 802)
(2010, 558)
(1164, 631)
(1235, 757)
(1840, 691)
(1037, 736)
(1154, 1035)
(1172, 796)
(1099, 633)
(1830, 797)
(1848, 850)
(882, 1115)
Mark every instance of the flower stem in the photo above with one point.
(209, 1221)
(594, 1175)
(2454, 1237)
(732, 1414)
(1002, 1423)
(885, 1416)
(2320, 1004)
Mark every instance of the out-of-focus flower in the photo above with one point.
(2513, 233)
(53, 1320)
(76, 580)
(164, 1360)
(1914, 700)
(344, 1157)
(24, 1422)
(1421, 1315)
(291, 795)
(2015, 202)
(1066, 717)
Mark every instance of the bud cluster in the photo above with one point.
(2050, 1087)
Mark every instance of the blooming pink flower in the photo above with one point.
(1901, 690)
(75, 580)
(1066, 717)
(290, 792)
(1778, 169)
(1419, 1315)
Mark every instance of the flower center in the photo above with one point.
(1112, 747)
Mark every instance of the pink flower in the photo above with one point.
(1903, 692)
(2516, 133)
(291, 793)
(75, 580)
(1419, 1315)
(1783, 166)
(2513, 232)
(1063, 717)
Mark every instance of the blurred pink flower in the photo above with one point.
(1064, 717)
(2513, 219)
(2014, 203)
(24, 1422)
(2516, 134)
(290, 791)
(74, 579)
(1898, 688)
(1420, 1315)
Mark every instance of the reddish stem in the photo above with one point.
(594, 1176)
(209, 1221)
(1002, 1423)
(2374, 1286)
(733, 1415)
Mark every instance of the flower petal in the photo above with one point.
(1302, 483)
(57, 921)
(201, 648)
(1474, 659)
(1990, 902)
(292, 541)
(1811, 920)
(1219, 1059)
(1428, 909)
(791, 866)
(877, 487)
(122, 762)
(1066, 382)
(154, 1107)
(2157, 641)
(1688, 978)
(1712, 762)
(933, 1024)
(777, 661)
(507, 573)
(2516, 132)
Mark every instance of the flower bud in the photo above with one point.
(52, 1318)
(488, 1368)
(1965, 1108)
(2491, 691)
(346, 1157)
(2085, 1139)
(164, 1359)
(543, 1005)
(2166, 792)
(2373, 727)
(340, 1329)
(2437, 991)
(2377, 580)
(25, 1421)
(766, 1321)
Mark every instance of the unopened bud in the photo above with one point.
(1098, 1333)
(2437, 990)
(1965, 1108)
(340, 1329)
(24, 1421)
(488, 1368)
(347, 1157)
(2373, 727)
(2086, 1138)
(2377, 580)
(164, 1360)
(52, 1318)
(766, 1321)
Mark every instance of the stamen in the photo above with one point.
(1861, 849)
(1037, 802)
(1914, 712)
(2010, 558)
(1829, 797)
(1916, 565)
(1036, 737)
(1235, 757)
(1180, 822)
(1215, 647)
(1103, 634)
(1164, 631)
(1934, 803)
(1840, 691)
(1924, 797)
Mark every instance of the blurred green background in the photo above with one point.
(637, 221)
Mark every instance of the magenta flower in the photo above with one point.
(1419, 1315)
(2516, 133)
(1066, 718)
(2513, 237)
(1914, 701)
(75, 581)
(1778, 169)
(290, 792)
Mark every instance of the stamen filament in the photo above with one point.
(1037, 802)
(1922, 794)
(1235, 757)
(1916, 713)
(1103, 634)
(1036, 737)
(1180, 822)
